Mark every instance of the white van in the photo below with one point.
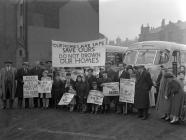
(152, 54)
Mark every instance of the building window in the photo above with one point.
(21, 9)
(20, 53)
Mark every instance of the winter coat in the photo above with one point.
(142, 88)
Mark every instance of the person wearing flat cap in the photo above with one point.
(142, 88)
(49, 68)
(37, 71)
(8, 84)
(23, 71)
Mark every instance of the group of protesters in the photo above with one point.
(169, 89)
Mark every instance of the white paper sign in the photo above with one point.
(127, 90)
(66, 99)
(83, 54)
(95, 97)
(30, 87)
(45, 86)
(111, 89)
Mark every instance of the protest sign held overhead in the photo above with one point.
(66, 99)
(68, 54)
(111, 89)
(127, 90)
(30, 87)
(95, 97)
(45, 86)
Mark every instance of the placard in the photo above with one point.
(127, 90)
(66, 99)
(95, 97)
(111, 89)
(45, 86)
(30, 87)
(68, 54)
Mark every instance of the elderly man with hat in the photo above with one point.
(23, 71)
(8, 84)
(142, 88)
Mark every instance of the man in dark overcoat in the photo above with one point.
(8, 84)
(121, 73)
(23, 71)
(142, 88)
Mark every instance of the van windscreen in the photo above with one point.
(146, 57)
(130, 57)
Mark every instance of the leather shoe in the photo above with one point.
(145, 118)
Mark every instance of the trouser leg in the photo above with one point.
(140, 112)
(26, 102)
(145, 113)
(4, 104)
(20, 101)
(11, 102)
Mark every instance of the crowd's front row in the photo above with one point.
(170, 102)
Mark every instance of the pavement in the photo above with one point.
(55, 124)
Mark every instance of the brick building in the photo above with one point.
(172, 32)
(29, 26)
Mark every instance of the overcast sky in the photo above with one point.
(124, 17)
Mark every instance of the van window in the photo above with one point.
(164, 58)
(146, 57)
(130, 57)
(183, 57)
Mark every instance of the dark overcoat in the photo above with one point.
(19, 77)
(58, 89)
(2, 83)
(82, 89)
(124, 75)
(37, 71)
(90, 80)
(111, 74)
(142, 88)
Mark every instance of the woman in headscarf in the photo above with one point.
(163, 105)
(176, 96)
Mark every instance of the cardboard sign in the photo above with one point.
(111, 89)
(45, 87)
(95, 97)
(68, 54)
(127, 90)
(30, 87)
(66, 99)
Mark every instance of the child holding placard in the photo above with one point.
(94, 107)
(45, 96)
(73, 102)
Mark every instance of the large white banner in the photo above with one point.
(30, 87)
(83, 54)
(127, 90)
(66, 99)
(45, 86)
(111, 89)
(95, 97)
